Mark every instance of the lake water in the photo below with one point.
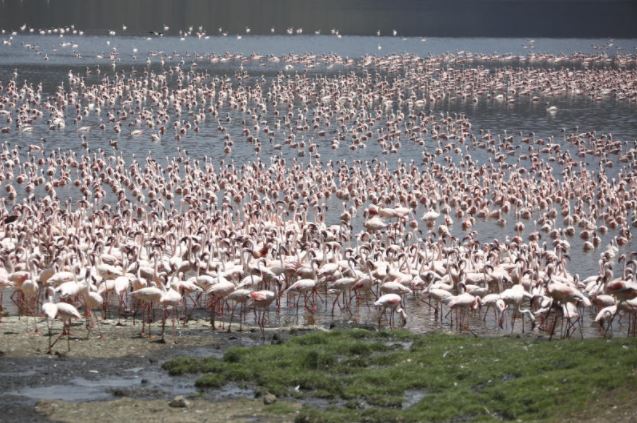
(62, 49)
(49, 59)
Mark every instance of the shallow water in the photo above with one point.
(422, 318)
(413, 397)
(66, 376)
(96, 50)
(89, 55)
(523, 116)
(83, 389)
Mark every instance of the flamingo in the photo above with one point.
(115, 212)
(149, 296)
(216, 294)
(64, 312)
(393, 302)
(239, 296)
(514, 296)
(461, 303)
(303, 287)
(262, 300)
(170, 300)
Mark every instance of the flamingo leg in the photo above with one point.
(152, 317)
(212, 306)
(48, 325)
(186, 315)
(143, 321)
(68, 336)
(134, 309)
(242, 316)
(98, 324)
(334, 305)
(231, 315)
(56, 340)
(163, 322)
(554, 324)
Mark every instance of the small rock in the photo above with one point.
(144, 381)
(179, 402)
(120, 393)
(269, 399)
(46, 407)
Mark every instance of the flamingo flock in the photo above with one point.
(90, 232)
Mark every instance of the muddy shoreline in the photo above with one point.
(118, 371)
(118, 376)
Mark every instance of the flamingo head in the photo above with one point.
(501, 305)
(476, 303)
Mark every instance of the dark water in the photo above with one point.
(500, 18)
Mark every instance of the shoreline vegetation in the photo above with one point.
(354, 374)
(361, 375)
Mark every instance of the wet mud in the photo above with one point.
(118, 376)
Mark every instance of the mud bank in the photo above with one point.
(118, 375)
(238, 410)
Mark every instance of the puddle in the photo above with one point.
(140, 383)
(413, 397)
(63, 392)
(245, 341)
(322, 403)
(24, 373)
(230, 391)
(319, 403)
(507, 377)
(205, 352)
